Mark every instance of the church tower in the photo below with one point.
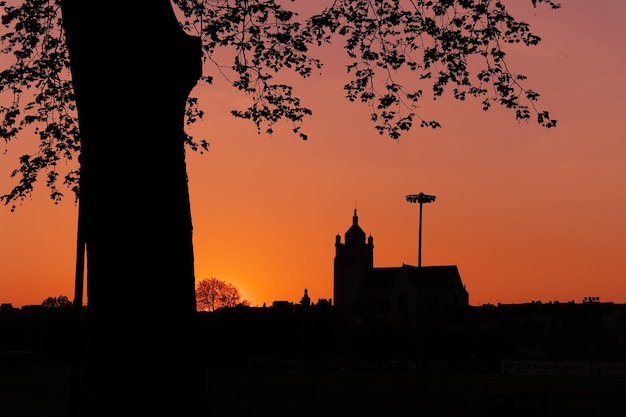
(353, 261)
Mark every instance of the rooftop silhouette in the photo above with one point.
(362, 290)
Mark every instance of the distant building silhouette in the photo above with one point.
(363, 291)
(306, 300)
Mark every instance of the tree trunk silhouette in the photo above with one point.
(132, 69)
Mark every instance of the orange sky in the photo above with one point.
(526, 213)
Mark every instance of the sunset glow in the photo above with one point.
(526, 213)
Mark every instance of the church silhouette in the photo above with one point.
(362, 291)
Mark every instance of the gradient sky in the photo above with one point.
(525, 213)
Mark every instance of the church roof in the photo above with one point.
(439, 276)
(430, 277)
(382, 278)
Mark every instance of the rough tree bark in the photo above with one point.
(132, 69)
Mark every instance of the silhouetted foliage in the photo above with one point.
(213, 294)
(438, 46)
(55, 302)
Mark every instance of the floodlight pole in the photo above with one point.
(420, 198)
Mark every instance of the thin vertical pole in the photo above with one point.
(419, 291)
(78, 308)
(420, 198)
(419, 243)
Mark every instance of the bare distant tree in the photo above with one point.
(212, 294)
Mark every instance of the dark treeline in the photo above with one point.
(45, 334)
(294, 337)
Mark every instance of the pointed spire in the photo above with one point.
(355, 235)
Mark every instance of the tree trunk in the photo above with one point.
(133, 68)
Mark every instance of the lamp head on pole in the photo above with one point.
(420, 198)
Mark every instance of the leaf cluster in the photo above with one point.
(264, 38)
(36, 92)
(432, 41)
(437, 43)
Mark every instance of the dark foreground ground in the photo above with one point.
(44, 392)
